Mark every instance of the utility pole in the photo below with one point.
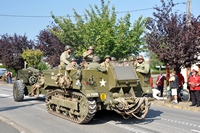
(188, 12)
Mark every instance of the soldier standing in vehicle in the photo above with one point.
(65, 57)
(36, 87)
(72, 65)
(95, 65)
(124, 62)
(106, 63)
(88, 55)
(132, 59)
(142, 66)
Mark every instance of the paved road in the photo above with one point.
(30, 116)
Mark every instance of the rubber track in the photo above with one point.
(20, 89)
(91, 106)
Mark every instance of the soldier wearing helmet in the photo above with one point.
(142, 66)
(36, 87)
(124, 62)
(72, 65)
(95, 65)
(132, 59)
(106, 62)
(113, 61)
(65, 57)
(89, 54)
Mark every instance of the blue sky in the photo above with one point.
(31, 26)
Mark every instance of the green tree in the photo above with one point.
(100, 28)
(32, 57)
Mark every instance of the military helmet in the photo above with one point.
(124, 60)
(67, 47)
(131, 58)
(73, 59)
(90, 47)
(113, 58)
(107, 56)
(96, 58)
(140, 57)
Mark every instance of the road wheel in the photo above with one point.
(18, 91)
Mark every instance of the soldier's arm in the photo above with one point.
(63, 59)
(85, 54)
(102, 69)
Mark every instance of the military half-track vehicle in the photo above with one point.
(76, 95)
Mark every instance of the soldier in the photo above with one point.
(88, 55)
(113, 61)
(132, 59)
(124, 62)
(65, 57)
(72, 65)
(95, 64)
(142, 66)
(84, 64)
(36, 87)
(106, 63)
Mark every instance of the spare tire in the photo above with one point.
(18, 91)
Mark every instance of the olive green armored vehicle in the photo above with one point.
(76, 95)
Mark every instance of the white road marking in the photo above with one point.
(196, 131)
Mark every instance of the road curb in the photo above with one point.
(13, 124)
(177, 106)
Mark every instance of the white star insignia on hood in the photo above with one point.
(103, 82)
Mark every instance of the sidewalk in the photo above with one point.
(180, 105)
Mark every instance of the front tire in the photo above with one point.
(18, 91)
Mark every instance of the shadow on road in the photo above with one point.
(105, 116)
(21, 106)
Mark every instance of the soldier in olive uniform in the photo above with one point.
(125, 62)
(132, 59)
(88, 55)
(95, 65)
(142, 66)
(113, 61)
(106, 63)
(36, 87)
(65, 57)
(73, 64)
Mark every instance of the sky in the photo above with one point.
(31, 26)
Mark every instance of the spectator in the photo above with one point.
(8, 75)
(160, 83)
(174, 84)
(181, 81)
(194, 82)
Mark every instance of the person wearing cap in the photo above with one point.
(142, 66)
(194, 82)
(73, 64)
(95, 65)
(36, 87)
(65, 57)
(89, 54)
(106, 62)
